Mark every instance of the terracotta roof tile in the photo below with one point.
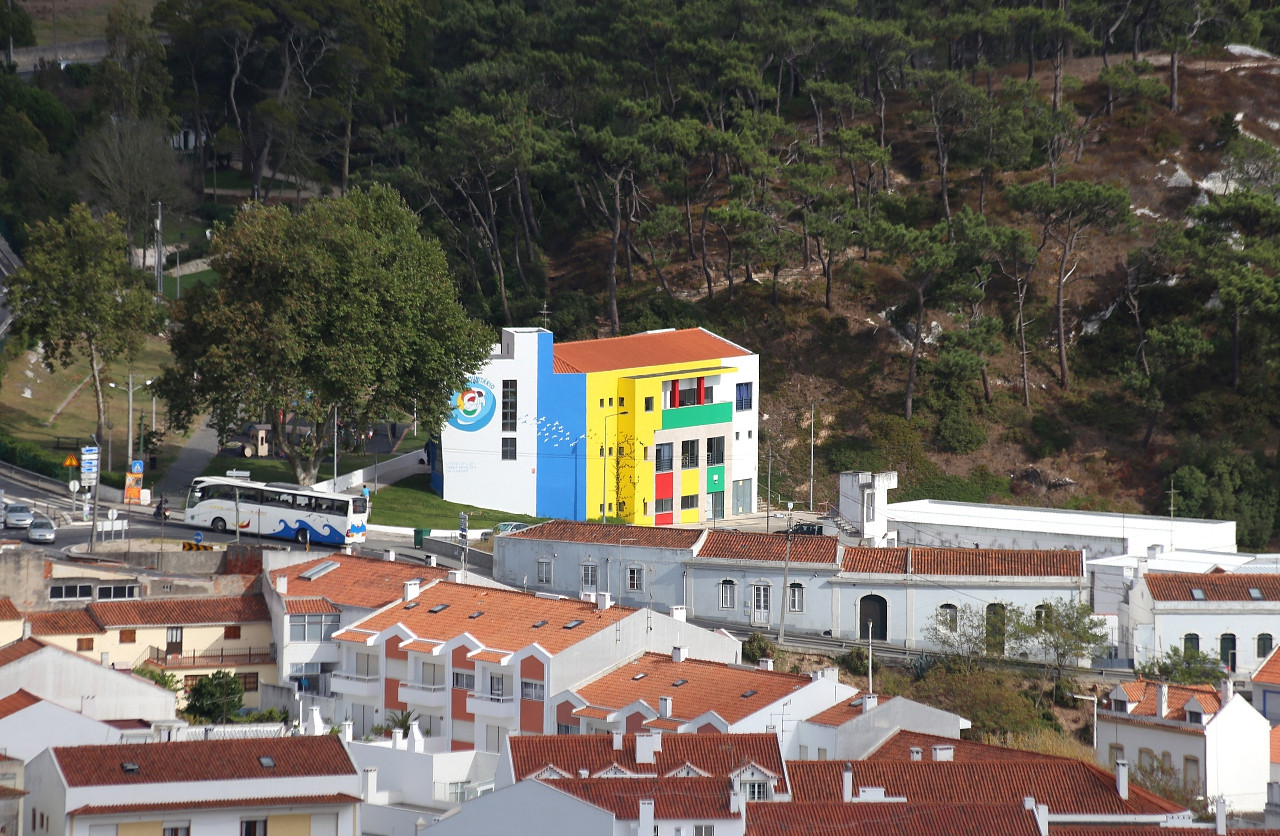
(63, 623)
(1269, 670)
(218, 803)
(1065, 785)
(838, 715)
(8, 612)
(898, 748)
(506, 622)
(240, 609)
(891, 819)
(17, 701)
(1153, 830)
(490, 656)
(1144, 699)
(1275, 744)
(736, 545)
(1177, 586)
(203, 760)
(653, 348)
(673, 798)
(564, 531)
(708, 686)
(716, 755)
(301, 606)
(15, 650)
(362, 582)
(933, 561)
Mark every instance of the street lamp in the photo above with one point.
(786, 586)
(604, 466)
(1094, 699)
(130, 388)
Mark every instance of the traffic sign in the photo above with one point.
(89, 451)
(135, 466)
(112, 513)
(74, 486)
(71, 461)
(198, 537)
(462, 521)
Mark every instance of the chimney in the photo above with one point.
(603, 602)
(678, 612)
(411, 589)
(664, 707)
(944, 752)
(391, 555)
(1220, 817)
(431, 560)
(1154, 551)
(454, 576)
(317, 725)
(105, 658)
(656, 734)
(645, 825)
(347, 728)
(584, 773)
(1122, 780)
(846, 785)
(1141, 570)
(644, 749)
(1228, 689)
(679, 654)
(1271, 812)
(1040, 811)
(397, 739)
(735, 800)
(282, 584)
(370, 783)
(917, 754)
(765, 664)
(26, 629)
(869, 701)
(617, 741)
(1162, 700)
(418, 742)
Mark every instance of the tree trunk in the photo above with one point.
(817, 115)
(1023, 286)
(1173, 81)
(706, 268)
(613, 255)
(346, 154)
(916, 345)
(1235, 350)
(1062, 318)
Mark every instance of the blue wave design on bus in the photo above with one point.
(290, 532)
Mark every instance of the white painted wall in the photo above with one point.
(26, 733)
(529, 808)
(862, 735)
(85, 686)
(1238, 763)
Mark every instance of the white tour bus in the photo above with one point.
(277, 509)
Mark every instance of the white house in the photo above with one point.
(854, 728)
(1233, 616)
(29, 725)
(1214, 739)
(250, 787)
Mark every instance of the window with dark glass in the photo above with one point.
(663, 455)
(742, 400)
(508, 406)
(689, 454)
(715, 450)
(508, 449)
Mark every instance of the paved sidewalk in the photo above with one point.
(196, 454)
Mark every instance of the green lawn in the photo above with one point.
(234, 178)
(190, 280)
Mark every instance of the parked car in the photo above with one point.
(42, 530)
(503, 528)
(17, 516)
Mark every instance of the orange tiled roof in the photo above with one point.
(15, 650)
(217, 803)
(736, 545)
(1152, 830)
(898, 748)
(1269, 670)
(203, 760)
(838, 715)
(708, 686)
(1065, 785)
(8, 612)
(63, 623)
(1275, 744)
(506, 620)
(924, 560)
(158, 612)
(716, 755)
(637, 351)
(673, 798)
(891, 819)
(301, 606)
(1177, 586)
(362, 582)
(1144, 699)
(565, 531)
(17, 701)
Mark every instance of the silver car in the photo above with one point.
(17, 516)
(503, 528)
(42, 530)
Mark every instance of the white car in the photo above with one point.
(42, 530)
(17, 516)
(503, 528)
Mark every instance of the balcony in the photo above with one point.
(355, 685)
(223, 658)
(427, 696)
(487, 705)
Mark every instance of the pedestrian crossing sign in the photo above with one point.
(71, 461)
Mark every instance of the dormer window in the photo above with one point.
(755, 790)
(1120, 705)
(1195, 717)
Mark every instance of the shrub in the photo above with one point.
(757, 647)
(1052, 436)
(959, 433)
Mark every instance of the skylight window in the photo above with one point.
(746, 694)
(476, 614)
(1197, 594)
(538, 624)
(267, 761)
(411, 605)
(639, 676)
(576, 622)
(679, 682)
(129, 767)
(319, 569)
(439, 608)
(1255, 593)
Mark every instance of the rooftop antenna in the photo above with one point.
(544, 313)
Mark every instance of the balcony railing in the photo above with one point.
(714, 459)
(220, 658)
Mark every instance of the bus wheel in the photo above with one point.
(301, 536)
(219, 524)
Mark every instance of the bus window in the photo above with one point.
(282, 500)
(302, 502)
(360, 505)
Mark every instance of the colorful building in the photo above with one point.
(654, 429)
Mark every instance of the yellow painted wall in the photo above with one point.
(689, 484)
(292, 824)
(140, 828)
(626, 391)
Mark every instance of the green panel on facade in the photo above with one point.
(697, 416)
(715, 479)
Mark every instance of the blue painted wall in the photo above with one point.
(562, 427)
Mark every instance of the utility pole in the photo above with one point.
(9, 26)
(768, 491)
(159, 250)
(870, 650)
(786, 588)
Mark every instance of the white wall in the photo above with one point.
(82, 685)
(529, 808)
(785, 715)
(860, 736)
(26, 733)
(1238, 743)
(515, 562)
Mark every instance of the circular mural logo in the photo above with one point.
(473, 408)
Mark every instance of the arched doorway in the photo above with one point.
(997, 626)
(873, 618)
